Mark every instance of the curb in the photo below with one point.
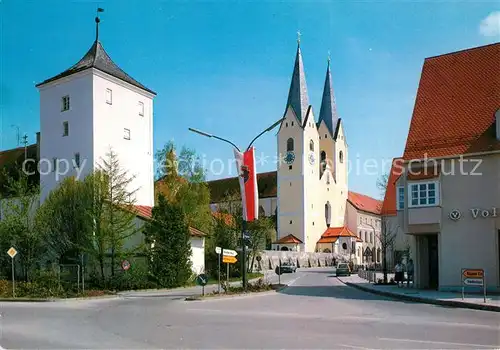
(231, 296)
(54, 300)
(452, 303)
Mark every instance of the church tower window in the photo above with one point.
(341, 157)
(328, 213)
(311, 145)
(323, 156)
(289, 145)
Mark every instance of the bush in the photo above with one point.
(137, 277)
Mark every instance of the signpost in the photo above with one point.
(475, 278)
(218, 250)
(229, 257)
(202, 281)
(12, 252)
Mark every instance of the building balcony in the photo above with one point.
(424, 216)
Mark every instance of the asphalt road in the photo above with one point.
(315, 312)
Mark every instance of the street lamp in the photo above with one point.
(244, 223)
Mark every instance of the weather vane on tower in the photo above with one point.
(97, 20)
(298, 37)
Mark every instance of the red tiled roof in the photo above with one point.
(289, 239)
(328, 239)
(455, 106)
(145, 212)
(338, 232)
(389, 204)
(364, 203)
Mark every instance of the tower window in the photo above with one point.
(292, 123)
(289, 167)
(77, 160)
(286, 124)
(289, 145)
(141, 108)
(290, 184)
(65, 128)
(323, 156)
(109, 96)
(126, 134)
(290, 222)
(341, 157)
(325, 136)
(65, 103)
(311, 145)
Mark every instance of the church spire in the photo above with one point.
(297, 96)
(328, 111)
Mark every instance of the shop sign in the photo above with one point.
(456, 215)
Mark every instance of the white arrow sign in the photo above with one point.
(218, 250)
(229, 252)
(473, 281)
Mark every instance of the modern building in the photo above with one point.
(444, 192)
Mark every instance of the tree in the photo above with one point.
(168, 235)
(21, 225)
(66, 213)
(388, 229)
(224, 235)
(182, 180)
(118, 220)
(261, 231)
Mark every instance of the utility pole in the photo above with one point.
(25, 143)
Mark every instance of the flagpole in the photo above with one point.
(244, 222)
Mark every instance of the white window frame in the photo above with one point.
(400, 201)
(65, 103)
(126, 134)
(427, 191)
(141, 108)
(109, 96)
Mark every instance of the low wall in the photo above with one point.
(270, 259)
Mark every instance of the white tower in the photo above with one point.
(88, 109)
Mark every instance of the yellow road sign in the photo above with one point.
(229, 259)
(473, 273)
(12, 252)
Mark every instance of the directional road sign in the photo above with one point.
(473, 282)
(202, 280)
(12, 252)
(473, 273)
(218, 250)
(229, 252)
(229, 259)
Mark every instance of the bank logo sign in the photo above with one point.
(456, 215)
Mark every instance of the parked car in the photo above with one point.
(343, 270)
(287, 267)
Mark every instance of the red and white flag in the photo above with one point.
(245, 163)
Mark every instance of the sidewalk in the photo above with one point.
(426, 296)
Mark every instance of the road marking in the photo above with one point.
(353, 347)
(440, 342)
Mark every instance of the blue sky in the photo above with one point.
(225, 67)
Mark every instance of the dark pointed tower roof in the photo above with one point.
(98, 58)
(328, 111)
(297, 96)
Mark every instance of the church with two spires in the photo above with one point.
(308, 193)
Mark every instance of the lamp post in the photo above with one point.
(244, 222)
